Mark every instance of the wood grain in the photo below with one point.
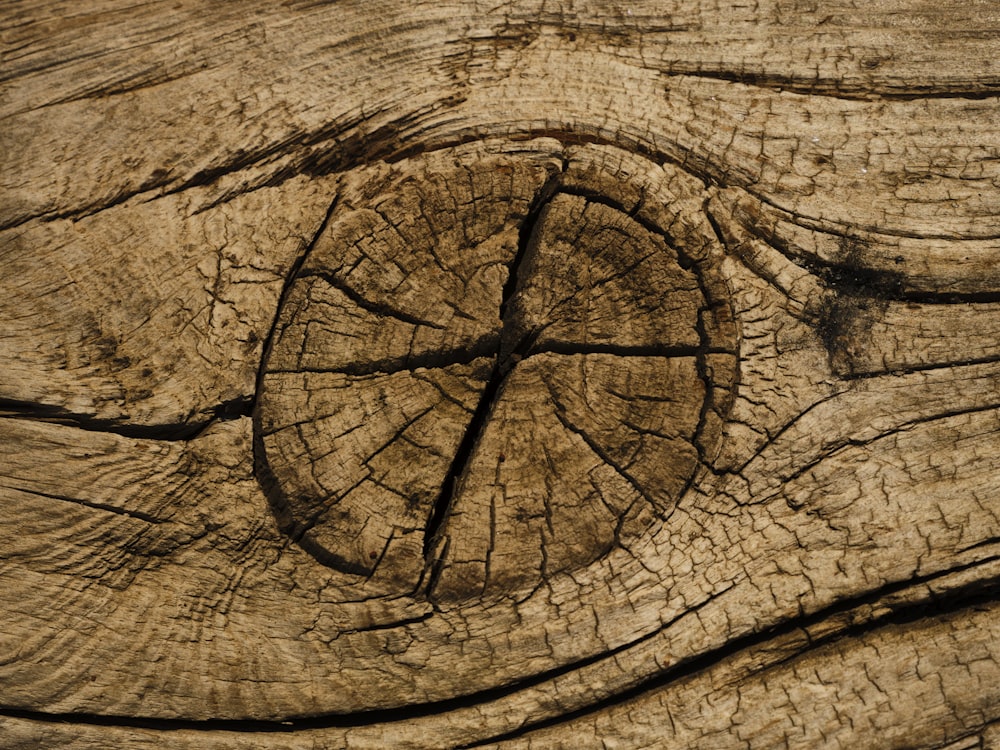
(456, 375)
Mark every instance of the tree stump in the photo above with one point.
(453, 375)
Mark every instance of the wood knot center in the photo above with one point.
(489, 369)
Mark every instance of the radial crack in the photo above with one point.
(504, 361)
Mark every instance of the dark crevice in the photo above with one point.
(856, 295)
(158, 179)
(834, 227)
(980, 544)
(290, 278)
(273, 179)
(527, 236)
(234, 408)
(710, 403)
(569, 348)
(971, 740)
(433, 566)
(347, 145)
(979, 593)
(773, 438)
(121, 84)
(850, 273)
(603, 200)
(831, 449)
(139, 515)
(505, 360)
(713, 221)
(26, 410)
(705, 347)
(261, 468)
(296, 532)
(166, 431)
(323, 555)
(391, 625)
(936, 298)
(360, 718)
(380, 309)
(707, 403)
(832, 88)
(437, 358)
(901, 370)
(603, 455)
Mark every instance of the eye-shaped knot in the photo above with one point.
(494, 365)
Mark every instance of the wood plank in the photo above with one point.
(421, 375)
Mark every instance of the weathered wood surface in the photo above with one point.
(431, 375)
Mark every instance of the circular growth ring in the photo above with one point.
(497, 362)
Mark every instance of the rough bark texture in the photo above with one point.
(403, 374)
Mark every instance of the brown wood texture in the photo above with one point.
(538, 375)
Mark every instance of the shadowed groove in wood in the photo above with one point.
(505, 360)
(967, 596)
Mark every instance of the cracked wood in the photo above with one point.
(452, 375)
